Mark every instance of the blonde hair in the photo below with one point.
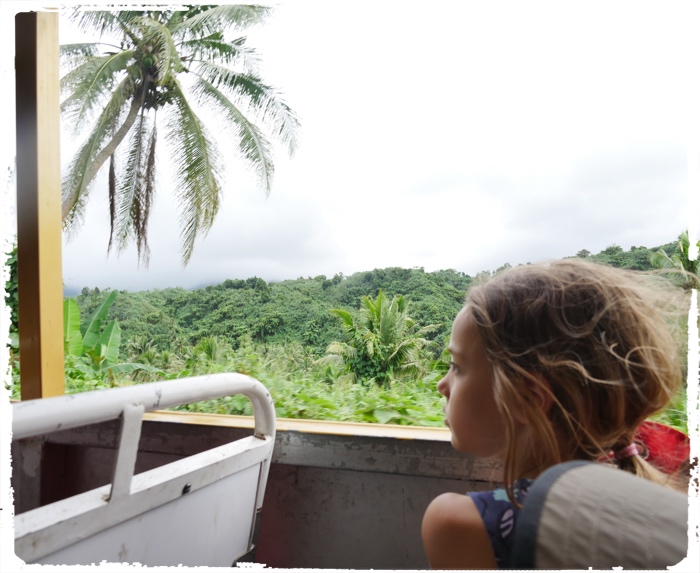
(580, 356)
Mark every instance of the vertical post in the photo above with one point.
(40, 288)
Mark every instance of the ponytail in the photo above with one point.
(633, 458)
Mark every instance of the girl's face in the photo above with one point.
(470, 408)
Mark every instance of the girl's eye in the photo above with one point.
(453, 366)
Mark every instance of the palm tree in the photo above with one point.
(680, 269)
(383, 342)
(163, 65)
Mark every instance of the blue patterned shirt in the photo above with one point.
(499, 516)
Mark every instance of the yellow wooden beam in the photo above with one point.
(327, 427)
(40, 288)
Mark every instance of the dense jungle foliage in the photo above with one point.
(302, 338)
(298, 310)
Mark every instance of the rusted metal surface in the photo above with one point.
(345, 519)
(381, 455)
(27, 473)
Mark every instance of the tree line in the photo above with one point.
(300, 310)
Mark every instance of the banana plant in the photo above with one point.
(679, 267)
(94, 342)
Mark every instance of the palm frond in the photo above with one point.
(81, 170)
(661, 260)
(678, 268)
(137, 189)
(263, 99)
(130, 179)
(389, 325)
(221, 18)
(330, 360)
(174, 18)
(683, 253)
(73, 55)
(252, 144)
(105, 22)
(401, 353)
(370, 346)
(400, 303)
(343, 315)
(372, 309)
(89, 84)
(74, 185)
(141, 222)
(112, 199)
(241, 84)
(412, 369)
(214, 47)
(198, 171)
(427, 329)
(342, 350)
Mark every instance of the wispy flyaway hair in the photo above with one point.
(581, 356)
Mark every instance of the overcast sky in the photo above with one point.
(456, 135)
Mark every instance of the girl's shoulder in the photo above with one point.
(454, 535)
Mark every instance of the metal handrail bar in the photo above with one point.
(43, 416)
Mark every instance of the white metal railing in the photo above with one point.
(35, 417)
(117, 522)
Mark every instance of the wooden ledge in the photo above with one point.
(306, 426)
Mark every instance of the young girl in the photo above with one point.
(550, 363)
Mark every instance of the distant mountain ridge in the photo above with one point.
(298, 310)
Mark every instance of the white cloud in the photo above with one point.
(460, 135)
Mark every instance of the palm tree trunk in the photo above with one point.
(107, 151)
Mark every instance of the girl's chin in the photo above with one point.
(460, 447)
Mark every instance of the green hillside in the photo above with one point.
(298, 310)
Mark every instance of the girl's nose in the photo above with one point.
(442, 386)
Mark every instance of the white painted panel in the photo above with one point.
(195, 511)
(210, 526)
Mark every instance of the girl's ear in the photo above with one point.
(537, 394)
